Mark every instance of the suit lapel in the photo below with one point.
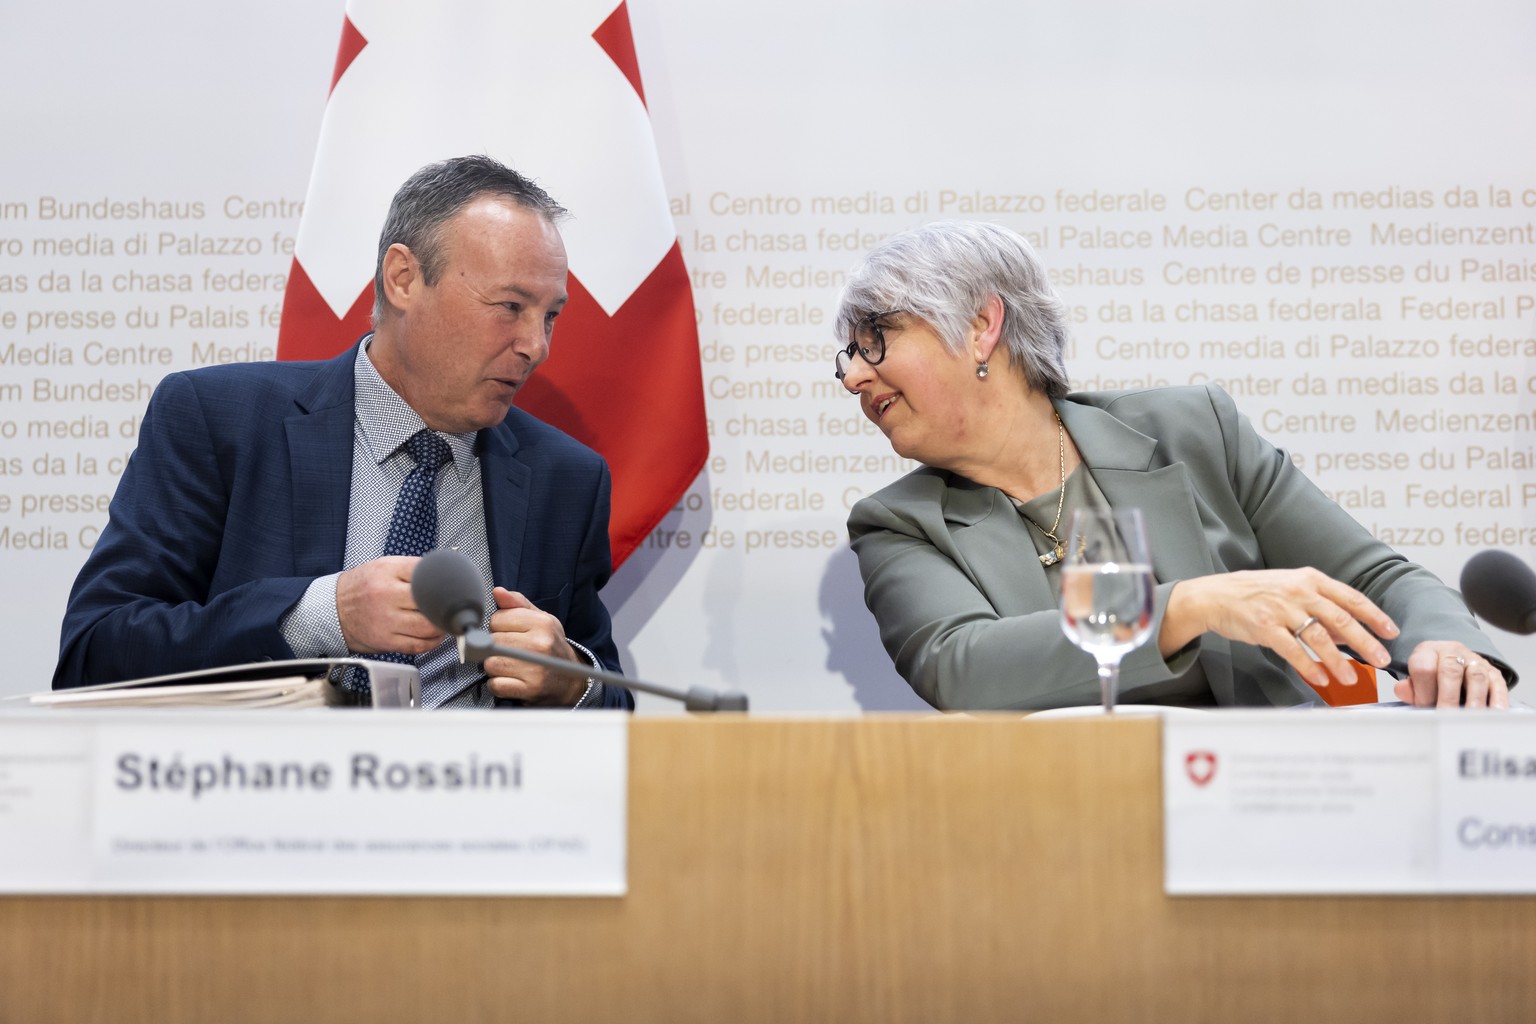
(505, 480)
(989, 537)
(320, 468)
(1122, 460)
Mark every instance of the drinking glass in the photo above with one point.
(1106, 590)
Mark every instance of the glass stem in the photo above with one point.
(1109, 682)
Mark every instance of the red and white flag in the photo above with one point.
(553, 90)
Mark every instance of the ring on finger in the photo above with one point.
(1311, 621)
(1461, 661)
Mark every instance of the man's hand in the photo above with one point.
(377, 612)
(1438, 672)
(517, 623)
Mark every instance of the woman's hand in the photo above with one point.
(1440, 670)
(1288, 611)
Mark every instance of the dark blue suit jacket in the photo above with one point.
(236, 499)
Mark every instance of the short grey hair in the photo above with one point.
(433, 195)
(944, 273)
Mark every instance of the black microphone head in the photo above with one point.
(447, 588)
(1501, 589)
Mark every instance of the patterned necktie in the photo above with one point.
(413, 530)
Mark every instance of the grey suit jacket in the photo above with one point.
(970, 620)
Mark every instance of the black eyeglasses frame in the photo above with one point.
(873, 354)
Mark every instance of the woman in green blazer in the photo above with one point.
(955, 351)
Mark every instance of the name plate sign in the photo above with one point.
(1487, 824)
(1316, 802)
(314, 802)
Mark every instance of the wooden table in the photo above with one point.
(921, 869)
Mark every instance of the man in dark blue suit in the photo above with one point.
(256, 518)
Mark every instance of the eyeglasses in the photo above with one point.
(868, 341)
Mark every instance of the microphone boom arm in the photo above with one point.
(475, 644)
(446, 588)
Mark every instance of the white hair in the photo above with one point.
(944, 273)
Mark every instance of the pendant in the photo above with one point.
(1053, 556)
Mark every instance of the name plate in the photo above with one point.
(1318, 802)
(314, 802)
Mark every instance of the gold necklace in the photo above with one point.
(1058, 552)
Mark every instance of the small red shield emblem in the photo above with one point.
(1200, 765)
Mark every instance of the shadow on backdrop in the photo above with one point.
(648, 577)
(722, 599)
(853, 641)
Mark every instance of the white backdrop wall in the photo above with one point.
(1326, 207)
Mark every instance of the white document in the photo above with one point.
(321, 802)
(1319, 802)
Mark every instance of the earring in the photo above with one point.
(981, 371)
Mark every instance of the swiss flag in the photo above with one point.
(553, 90)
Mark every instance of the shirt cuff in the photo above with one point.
(593, 696)
(312, 627)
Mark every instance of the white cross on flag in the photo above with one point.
(553, 90)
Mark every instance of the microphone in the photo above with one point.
(447, 589)
(1501, 589)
